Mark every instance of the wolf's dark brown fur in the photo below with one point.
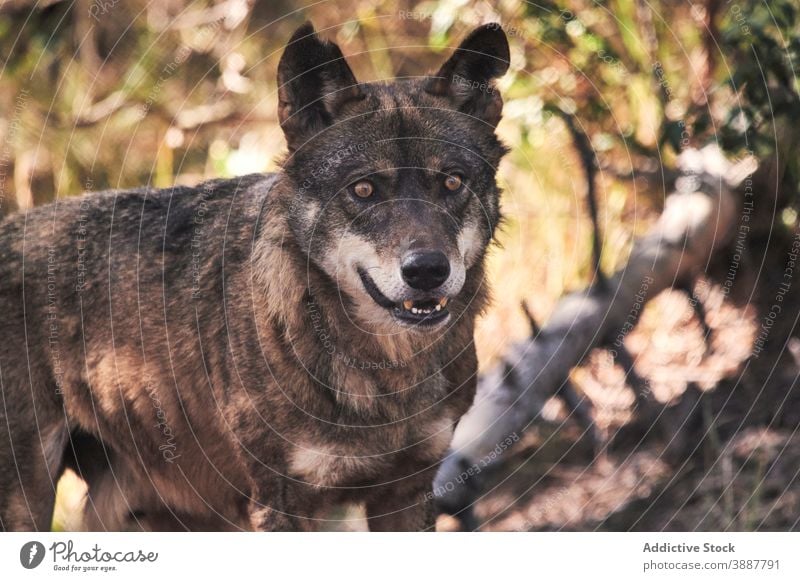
(247, 353)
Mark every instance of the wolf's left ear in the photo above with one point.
(466, 79)
(314, 83)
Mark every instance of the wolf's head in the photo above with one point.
(395, 191)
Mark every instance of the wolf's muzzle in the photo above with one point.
(427, 311)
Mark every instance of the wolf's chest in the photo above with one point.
(387, 430)
(367, 458)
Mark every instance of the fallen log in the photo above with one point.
(699, 218)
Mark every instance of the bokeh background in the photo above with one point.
(98, 94)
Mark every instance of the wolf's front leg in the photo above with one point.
(274, 503)
(272, 508)
(404, 506)
(277, 502)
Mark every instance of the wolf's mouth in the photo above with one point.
(425, 312)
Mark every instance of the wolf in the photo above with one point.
(250, 353)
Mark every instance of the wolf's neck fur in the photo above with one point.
(297, 297)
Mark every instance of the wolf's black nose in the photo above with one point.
(425, 270)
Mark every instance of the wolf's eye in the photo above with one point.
(453, 182)
(363, 189)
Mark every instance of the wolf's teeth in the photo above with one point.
(408, 305)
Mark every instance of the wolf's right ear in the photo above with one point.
(314, 82)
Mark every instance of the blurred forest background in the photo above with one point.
(98, 94)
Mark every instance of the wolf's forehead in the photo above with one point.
(397, 94)
(399, 125)
(410, 126)
(404, 109)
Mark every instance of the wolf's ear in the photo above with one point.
(314, 82)
(466, 79)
